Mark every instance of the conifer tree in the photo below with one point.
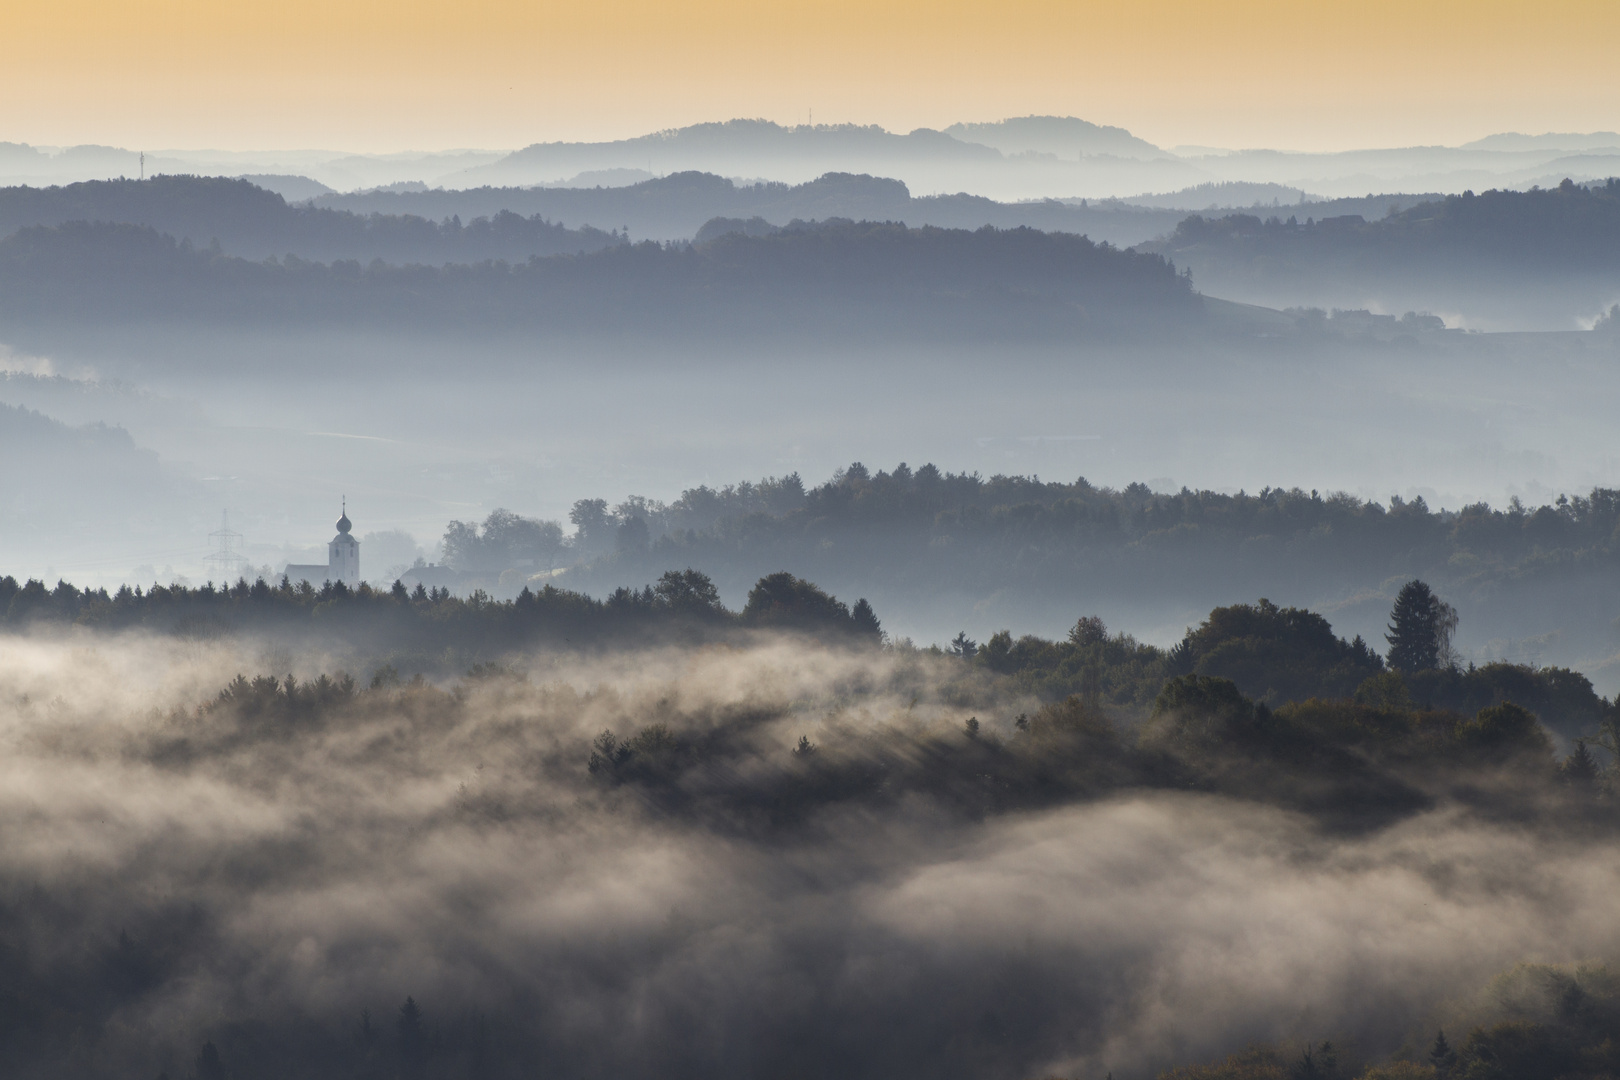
(411, 1040)
(1442, 1056)
(866, 620)
(1414, 638)
(1580, 768)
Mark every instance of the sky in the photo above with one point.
(375, 76)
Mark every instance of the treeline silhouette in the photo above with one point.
(679, 606)
(1275, 655)
(876, 278)
(677, 206)
(912, 532)
(248, 221)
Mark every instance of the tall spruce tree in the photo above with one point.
(1414, 629)
(1442, 1056)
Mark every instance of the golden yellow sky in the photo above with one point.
(372, 75)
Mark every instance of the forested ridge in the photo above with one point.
(1569, 229)
(877, 277)
(1276, 655)
(250, 222)
(677, 206)
(916, 529)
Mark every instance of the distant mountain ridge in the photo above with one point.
(674, 207)
(731, 147)
(1566, 141)
(1028, 157)
(1061, 136)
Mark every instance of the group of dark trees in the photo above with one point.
(506, 541)
(681, 605)
(1287, 655)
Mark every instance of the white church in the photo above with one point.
(342, 559)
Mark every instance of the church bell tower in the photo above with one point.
(343, 553)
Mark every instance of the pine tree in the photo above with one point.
(1442, 1056)
(866, 620)
(1580, 768)
(1414, 642)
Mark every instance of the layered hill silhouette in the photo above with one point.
(412, 224)
(734, 146)
(1027, 156)
(42, 459)
(674, 207)
(1060, 136)
(1545, 254)
(247, 220)
(827, 279)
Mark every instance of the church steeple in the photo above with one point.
(344, 524)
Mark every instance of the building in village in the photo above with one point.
(342, 559)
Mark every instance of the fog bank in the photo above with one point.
(257, 876)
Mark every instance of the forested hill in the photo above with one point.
(251, 222)
(834, 278)
(922, 542)
(1560, 229)
(112, 478)
(674, 207)
(1550, 254)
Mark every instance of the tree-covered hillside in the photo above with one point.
(1496, 260)
(831, 279)
(1569, 228)
(923, 541)
(510, 868)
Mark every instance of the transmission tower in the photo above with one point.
(227, 559)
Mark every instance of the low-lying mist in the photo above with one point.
(275, 872)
